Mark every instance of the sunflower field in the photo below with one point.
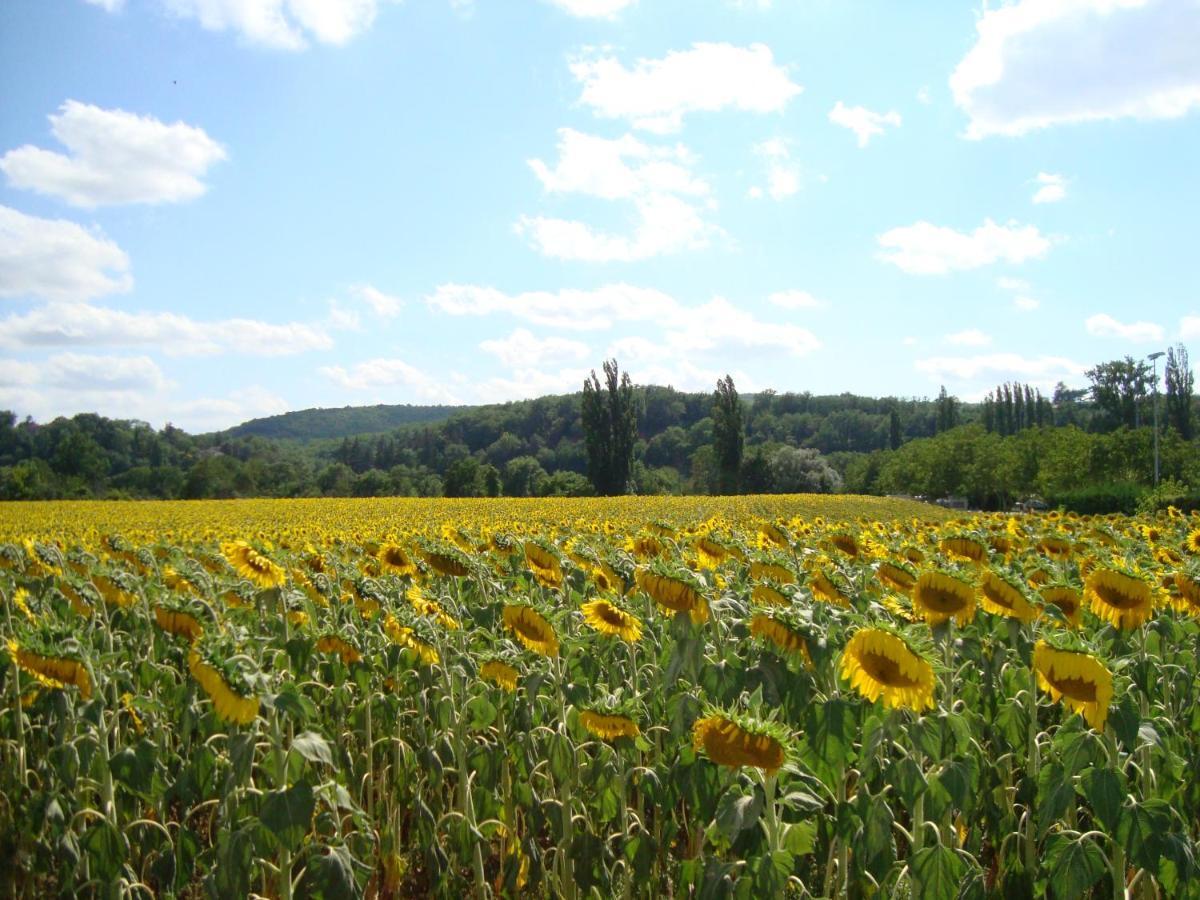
(636, 697)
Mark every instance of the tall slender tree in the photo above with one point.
(1181, 382)
(729, 434)
(609, 429)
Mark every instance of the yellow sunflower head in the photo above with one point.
(610, 619)
(880, 665)
(1076, 678)
(609, 723)
(395, 560)
(500, 673)
(1002, 597)
(1121, 598)
(253, 565)
(531, 628)
(782, 631)
(736, 739)
(1067, 600)
(939, 595)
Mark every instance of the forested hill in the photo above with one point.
(346, 421)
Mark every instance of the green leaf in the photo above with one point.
(105, 849)
(287, 813)
(736, 813)
(1125, 718)
(290, 702)
(329, 875)
(133, 767)
(1055, 794)
(771, 873)
(909, 781)
(875, 851)
(481, 712)
(830, 730)
(1141, 832)
(1104, 791)
(800, 838)
(1074, 865)
(313, 747)
(936, 873)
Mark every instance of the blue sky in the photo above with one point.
(212, 210)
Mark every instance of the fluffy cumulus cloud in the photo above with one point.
(67, 324)
(522, 349)
(1105, 326)
(593, 9)
(971, 337)
(283, 24)
(865, 123)
(668, 201)
(1051, 188)
(114, 157)
(1038, 63)
(1042, 371)
(656, 94)
(1189, 328)
(376, 374)
(56, 259)
(783, 175)
(383, 305)
(570, 309)
(796, 299)
(926, 249)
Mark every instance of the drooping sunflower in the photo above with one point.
(50, 669)
(1192, 542)
(607, 579)
(1188, 588)
(544, 565)
(939, 595)
(964, 547)
(736, 741)
(897, 576)
(608, 725)
(331, 643)
(1121, 598)
(769, 596)
(395, 560)
(1055, 546)
(1003, 598)
(178, 622)
(608, 618)
(846, 543)
(531, 629)
(881, 665)
(500, 674)
(781, 574)
(445, 562)
(785, 636)
(230, 704)
(771, 534)
(1067, 599)
(825, 589)
(407, 637)
(75, 598)
(673, 594)
(252, 565)
(1078, 679)
(113, 592)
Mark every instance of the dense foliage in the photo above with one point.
(631, 697)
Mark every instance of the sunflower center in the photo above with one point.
(610, 616)
(885, 670)
(1117, 598)
(941, 600)
(1078, 689)
(998, 596)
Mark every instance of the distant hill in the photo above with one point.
(346, 421)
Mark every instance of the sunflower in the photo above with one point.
(963, 547)
(673, 594)
(845, 542)
(1078, 679)
(544, 565)
(253, 565)
(394, 560)
(1120, 598)
(51, 670)
(1192, 542)
(20, 599)
(608, 618)
(769, 533)
(114, 593)
(1055, 546)
(645, 546)
(331, 643)
(730, 742)
(939, 596)
(406, 637)
(531, 629)
(445, 563)
(780, 633)
(879, 664)
(76, 599)
(826, 590)
(711, 553)
(898, 577)
(607, 579)
(229, 704)
(761, 571)
(500, 673)
(177, 622)
(769, 596)
(1067, 599)
(608, 726)
(1003, 598)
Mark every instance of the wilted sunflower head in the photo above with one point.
(737, 739)
(501, 672)
(674, 591)
(783, 630)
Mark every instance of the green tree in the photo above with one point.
(947, 410)
(609, 422)
(1180, 385)
(729, 434)
(1118, 387)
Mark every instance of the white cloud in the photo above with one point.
(522, 350)
(662, 224)
(383, 305)
(863, 122)
(215, 413)
(1026, 303)
(58, 260)
(108, 5)
(1012, 284)
(576, 310)
(1053, 188)
(525, 383)
(1105, 326)
(77, 371)
(1038, 63)
(926, 249)
(718, 323)
(283, 24)
(63, 324)
(796, 299)
(971, 337)
(1040, 370)
(389, 373)
(114, 157)
(593, 9)
(655, 94)
(783, 176)
(1189, 328)
(923, 95)
(600, 167)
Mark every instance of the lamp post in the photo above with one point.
(1153, 357)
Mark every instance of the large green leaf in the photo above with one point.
(1104, 790)
(936, 873)
(1074, 865)
(287, 813)
(737, 812)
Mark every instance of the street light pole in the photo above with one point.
(1153, 357)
